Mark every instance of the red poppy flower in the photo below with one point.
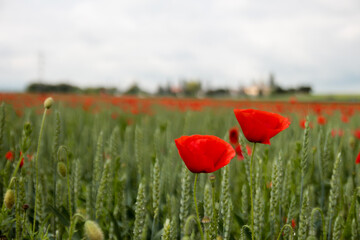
(234, 135)
(259, 126)
(293, 223)
(302, 123)
(321, 120)
(249, 150)
(204, 153)
(358, 159)
(30, 157)
(22, 160)
(238, 151)
(340, 132)
(344, 119)
(293, 100)
(9, 155)
(357, 133)
(333, 132)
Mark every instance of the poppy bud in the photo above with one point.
(61, 168)
(48, 102)
(205, 220)
(93, 231)
(25, 207)
(9, 199)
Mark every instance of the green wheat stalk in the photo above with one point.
(184, 198)
(140, 213)
(304, 218)
(334, 192)
(102, 193)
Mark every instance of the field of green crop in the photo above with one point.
(93, 175)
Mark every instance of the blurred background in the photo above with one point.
(181, 48)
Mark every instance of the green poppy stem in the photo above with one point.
(196, 209)
(36, 166)
(251, 193)
(16, 169)
(214, 221)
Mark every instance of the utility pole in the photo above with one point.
(41, 66)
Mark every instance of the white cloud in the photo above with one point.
(226, 43)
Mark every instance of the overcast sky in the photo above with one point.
(224, 43)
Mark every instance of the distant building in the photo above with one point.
(257, 89)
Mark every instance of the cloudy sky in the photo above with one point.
(224, 43)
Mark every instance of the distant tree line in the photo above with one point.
(67, 88)
(187, 88)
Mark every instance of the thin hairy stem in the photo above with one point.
(251, 194)
(196, 209)
(36, 166)
(322, 220)
(283, 228)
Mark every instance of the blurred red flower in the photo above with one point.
(204, 153)
(344, 119)
(22, 160)
(249, 150)
(234, 135)
(293, 223)
(358, 159)
(9, 155)
(259, 126)
(357, 133)
(338, 132)
(293, 100)
(321, 120)
(238, 151)
(302, 124)
(30, 157)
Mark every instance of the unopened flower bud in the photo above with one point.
(205, 220)
(9, 199)
(93, 231)
(61, 168)
(25, 207)
(48, 102)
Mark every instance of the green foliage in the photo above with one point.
(107, 159)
